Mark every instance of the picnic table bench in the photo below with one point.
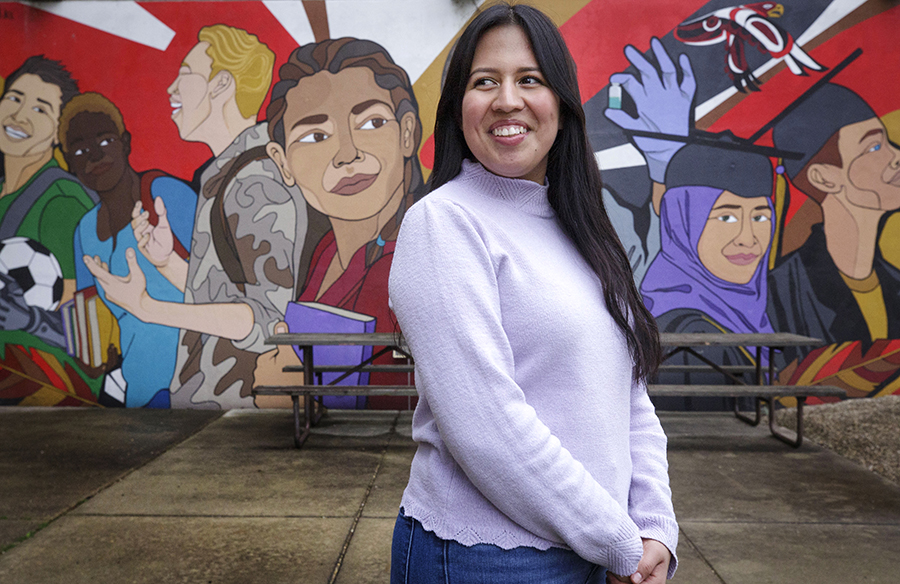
(733, 387)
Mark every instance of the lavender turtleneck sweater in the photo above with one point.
(530, 430)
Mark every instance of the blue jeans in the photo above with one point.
(420, 557)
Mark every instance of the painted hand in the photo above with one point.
(129, 291)
(663, 104)
(15, 314)
(156, 242)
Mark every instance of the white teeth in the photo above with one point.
(509, 131)
(14, 133)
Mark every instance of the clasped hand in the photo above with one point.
(652, 569)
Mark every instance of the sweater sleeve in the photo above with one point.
(445, 293)
(650, 498)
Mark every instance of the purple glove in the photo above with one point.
(663, 105)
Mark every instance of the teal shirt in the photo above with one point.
(52, 219)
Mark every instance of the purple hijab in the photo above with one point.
(677, 278)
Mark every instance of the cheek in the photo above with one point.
(472, 112)
(192, 91)
(302, 164)
(77, 167)
(44, 129)
(866, 171)
(763, 232)
(383, 145)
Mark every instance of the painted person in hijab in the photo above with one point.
(837, 286)
(710, 275)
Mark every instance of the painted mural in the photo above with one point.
(183, 179)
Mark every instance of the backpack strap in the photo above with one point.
(23, 203)
(222, 236)
(147, 179)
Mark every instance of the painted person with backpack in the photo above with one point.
(38, 199)
(97, 146)
(247, 236)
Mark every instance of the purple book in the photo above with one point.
(314, 317)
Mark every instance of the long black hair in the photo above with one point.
(573, 174)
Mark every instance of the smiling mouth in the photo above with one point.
(351, 185)
(742, 259)
(100, 169)
(176, 107)
(504, 131)
(15, 133)
(896, 180)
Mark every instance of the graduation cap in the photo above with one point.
(808, 126)
(725, 163)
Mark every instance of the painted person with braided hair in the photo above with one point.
(344, 126)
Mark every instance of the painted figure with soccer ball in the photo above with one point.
(38, 200)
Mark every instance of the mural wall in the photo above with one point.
(183, 179)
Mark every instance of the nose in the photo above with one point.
(746, 237)
(895, 161)
(95, 153)
(173, 87)
(508, 98)
(17, 113)
(347, 151)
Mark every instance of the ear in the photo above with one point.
(825, 177)
(278, 156)
(126, 142)
(221, 84)
(408, 134)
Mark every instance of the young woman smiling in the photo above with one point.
(540, 456)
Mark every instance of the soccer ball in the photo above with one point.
(35, 269)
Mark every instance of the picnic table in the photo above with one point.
(674, 343)
(735, 386)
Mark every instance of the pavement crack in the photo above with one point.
(684, 537)
(362, 506)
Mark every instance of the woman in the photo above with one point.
(344, 126)
(540, 458)
(96, 146)
(710, 275)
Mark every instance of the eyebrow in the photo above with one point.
(310, 120)
(758, 208)
(361, 107)
(493, 70)
(871, 133)
(44, 101)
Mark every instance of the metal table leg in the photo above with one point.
(796, 442)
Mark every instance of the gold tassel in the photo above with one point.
(781, 203)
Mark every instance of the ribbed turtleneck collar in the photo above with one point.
(525, 195)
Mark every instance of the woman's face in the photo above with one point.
(736, 236)
(345, 148)
(95, 151)
(510, 117)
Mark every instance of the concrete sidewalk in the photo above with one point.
(175, 496)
